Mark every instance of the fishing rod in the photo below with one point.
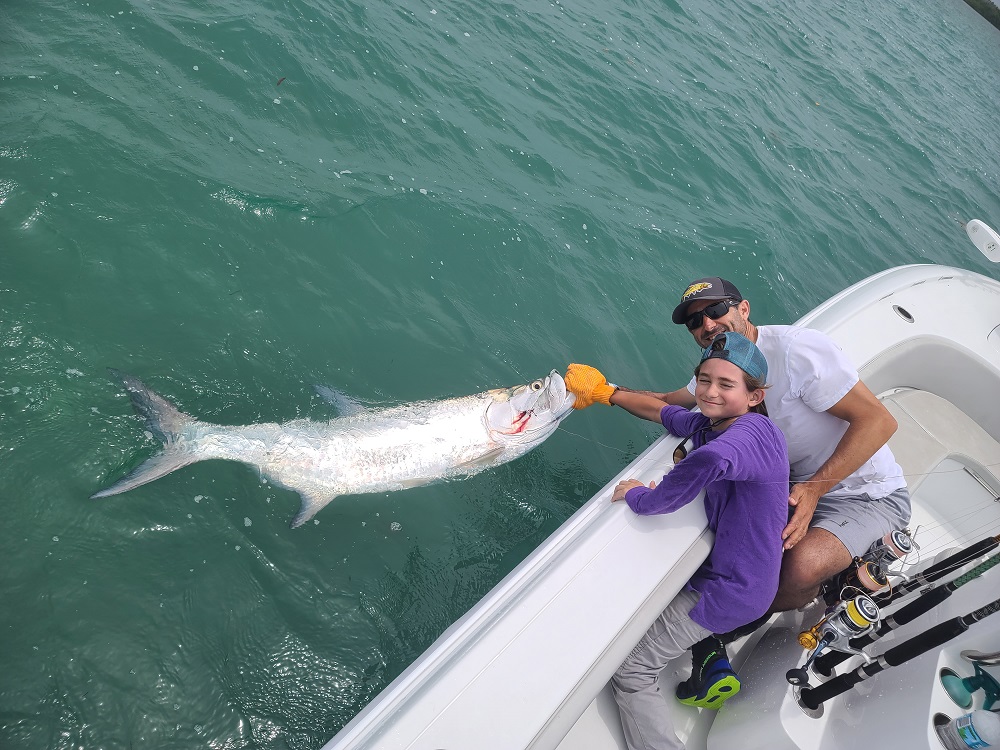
(924, 603)
(941, 569)
(812, 698)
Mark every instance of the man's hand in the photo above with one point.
(804, 499)
(869, 426)
(625, 485)
(589, 385)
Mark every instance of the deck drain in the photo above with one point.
(903, 313)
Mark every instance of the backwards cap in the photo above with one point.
(741, 351)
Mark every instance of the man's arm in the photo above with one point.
(870, 425)
(643, 405)
(680, 397)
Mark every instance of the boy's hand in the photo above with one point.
(589, 385)
(624, 486)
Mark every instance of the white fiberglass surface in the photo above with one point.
(952, 507)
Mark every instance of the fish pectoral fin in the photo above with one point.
(472, 466)
(479, 463)
(312, 503)
(153, 468)
(345, 405)
(408, 484)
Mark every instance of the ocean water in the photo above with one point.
(403, 200)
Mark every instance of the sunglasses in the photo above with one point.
(681, 451)
(714, 311)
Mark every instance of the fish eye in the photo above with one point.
(537, 385)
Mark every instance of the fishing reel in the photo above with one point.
(892, 547)
(868, 572)
(848, 619)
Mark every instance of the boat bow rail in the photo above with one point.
(913, 327)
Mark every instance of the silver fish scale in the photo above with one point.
(369, 452)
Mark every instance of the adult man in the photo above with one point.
(847, 489)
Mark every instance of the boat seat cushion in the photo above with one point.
(932, 429)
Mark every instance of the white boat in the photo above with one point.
(528, 666)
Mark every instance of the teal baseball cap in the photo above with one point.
(739, 350)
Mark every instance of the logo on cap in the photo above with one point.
(695, 289)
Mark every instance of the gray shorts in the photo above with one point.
(861, 520)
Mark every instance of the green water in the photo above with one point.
(437, 199)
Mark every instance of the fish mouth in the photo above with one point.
(533, 410)
(560, 399)
(520, 423)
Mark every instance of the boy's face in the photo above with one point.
(721, 390)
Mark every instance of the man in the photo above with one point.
(847, 489)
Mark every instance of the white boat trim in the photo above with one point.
(527, 667)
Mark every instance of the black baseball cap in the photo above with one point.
(708, 288)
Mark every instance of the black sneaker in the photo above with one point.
(712, 681)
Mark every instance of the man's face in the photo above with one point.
(735, 320)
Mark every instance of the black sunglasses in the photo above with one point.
(714, 311)
(681, 452)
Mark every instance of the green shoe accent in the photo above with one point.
(722, 690)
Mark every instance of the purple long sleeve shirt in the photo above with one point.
(744, 472)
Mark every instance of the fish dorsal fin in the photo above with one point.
(479, 463)
(345, 405)
(312, 503)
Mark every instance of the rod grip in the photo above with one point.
(950, 563)
(923, 642)
(811, 698)
(825, 663)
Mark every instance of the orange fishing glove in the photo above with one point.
(588, 385)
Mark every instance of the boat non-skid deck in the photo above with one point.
(951, 466)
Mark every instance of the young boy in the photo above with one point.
(741, 461)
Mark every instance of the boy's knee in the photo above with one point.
(631, 678)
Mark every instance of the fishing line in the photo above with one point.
(940, 532)
(928, 548)
(942, 539)
(598, 442)
(961, 469)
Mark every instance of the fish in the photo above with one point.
(363, 450)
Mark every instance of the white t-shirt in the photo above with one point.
(808, 374)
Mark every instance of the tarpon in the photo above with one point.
(366, 450)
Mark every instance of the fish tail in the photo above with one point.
(166, 422)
